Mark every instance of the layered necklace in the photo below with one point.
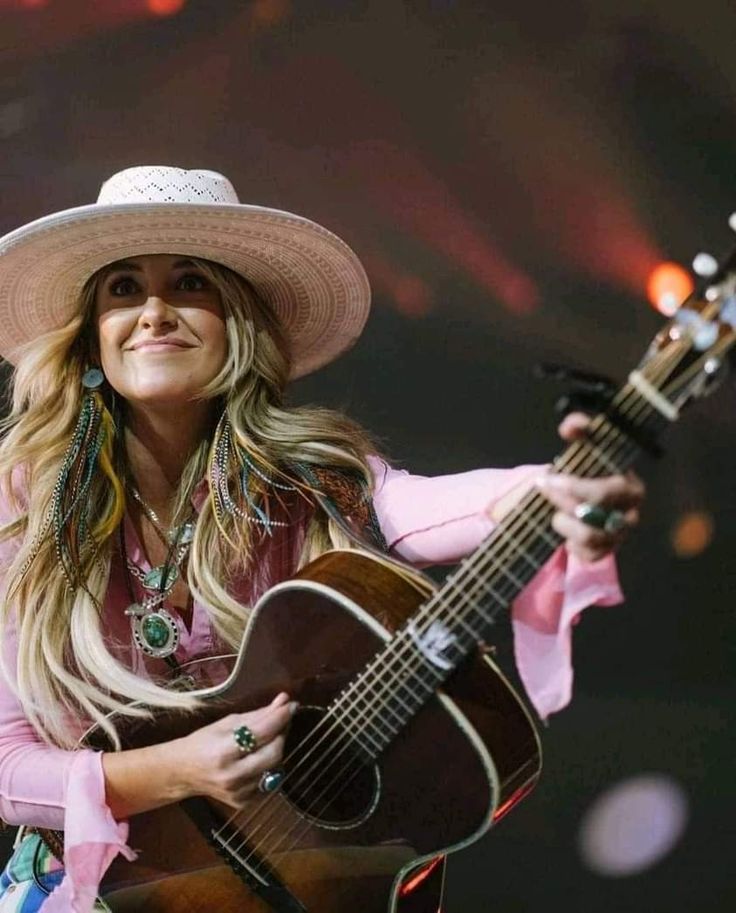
(154, 629)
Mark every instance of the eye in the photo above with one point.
(192, 282)
(123, 287)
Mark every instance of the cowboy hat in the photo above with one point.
(311, 279)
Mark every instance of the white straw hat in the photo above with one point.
(312, 280)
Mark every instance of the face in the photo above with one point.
(161, 329)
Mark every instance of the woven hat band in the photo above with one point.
(164, 184)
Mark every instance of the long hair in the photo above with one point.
(65, 672)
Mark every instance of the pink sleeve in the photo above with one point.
(54, 788)
(441, 520)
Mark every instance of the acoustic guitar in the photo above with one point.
(408, 744)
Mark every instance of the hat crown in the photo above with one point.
(165, 184)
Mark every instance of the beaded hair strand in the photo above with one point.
(229, 463)
(75, 542)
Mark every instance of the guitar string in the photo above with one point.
(345, 782)
(611, 431)
(341, 772)
(327, 788)
(404, 684)
(338, 778)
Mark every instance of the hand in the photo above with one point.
(624, 493)
(212, 764)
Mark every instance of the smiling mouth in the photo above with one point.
(160, 347)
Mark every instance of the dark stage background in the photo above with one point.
(510, 173)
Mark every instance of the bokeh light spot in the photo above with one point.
(165, 7)
(633, 825)
(669, 284)
(692, 533)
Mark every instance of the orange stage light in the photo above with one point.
(692, 533)
(668, 286)
(165, 7)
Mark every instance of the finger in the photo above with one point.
(574, 426)
(567, 491)
(251, 768)
(587, 543)
(270, 755)
(578, 533)
(266, 723)
(252, 765)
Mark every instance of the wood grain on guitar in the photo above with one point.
(347, 829)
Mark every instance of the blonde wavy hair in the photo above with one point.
(65, 673)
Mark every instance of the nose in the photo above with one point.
(156, 314)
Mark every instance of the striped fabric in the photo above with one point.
(20, 892)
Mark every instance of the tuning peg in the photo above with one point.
(704, 264)
(732, 221)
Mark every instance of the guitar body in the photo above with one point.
(365, 837)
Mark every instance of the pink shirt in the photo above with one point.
(425, 521)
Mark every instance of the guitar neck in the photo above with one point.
(461, 613)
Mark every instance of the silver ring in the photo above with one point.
(270, 780)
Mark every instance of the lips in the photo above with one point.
(160, 345)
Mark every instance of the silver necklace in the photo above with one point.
(154, 629)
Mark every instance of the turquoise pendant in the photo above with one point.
(156, 633)
(161, 578)
(182, 535)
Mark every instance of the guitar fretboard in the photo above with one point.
(422, 654)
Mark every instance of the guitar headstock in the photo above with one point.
(689, 355)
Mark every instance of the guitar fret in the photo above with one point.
(542, 532)
(519, 552)
(421, 655)
(601, 457)
(653, 396)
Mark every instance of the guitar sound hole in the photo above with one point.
(327, 778)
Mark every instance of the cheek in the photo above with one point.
(110, 336)
(105, 346)
(216, 335)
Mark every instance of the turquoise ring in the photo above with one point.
(271, 780)
(245, 740)
(592, 514)
(610, 521)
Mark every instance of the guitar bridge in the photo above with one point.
(252, 871)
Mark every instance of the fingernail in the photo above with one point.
(280, 698)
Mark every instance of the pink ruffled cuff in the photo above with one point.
(543, 617)
(92, 837)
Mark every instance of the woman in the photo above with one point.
(154, 485)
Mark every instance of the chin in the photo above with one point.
(164, 394)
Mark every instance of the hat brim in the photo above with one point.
(313, 281)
